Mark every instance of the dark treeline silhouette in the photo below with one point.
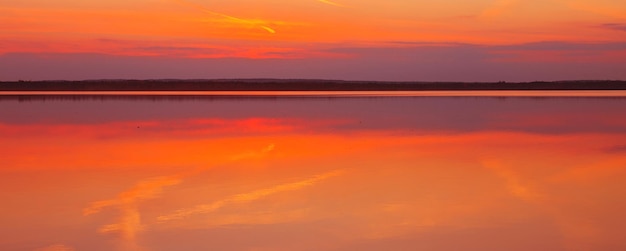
(298, 85)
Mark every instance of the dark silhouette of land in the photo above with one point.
(300, 85)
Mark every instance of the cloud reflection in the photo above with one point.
(250, 155)
(129, 223)
(247, 197)
(514, 185)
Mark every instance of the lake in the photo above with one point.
(141, 172)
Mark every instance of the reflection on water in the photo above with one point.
(395, 173)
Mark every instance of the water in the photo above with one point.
(332, 172)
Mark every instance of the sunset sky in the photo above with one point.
(407, 40)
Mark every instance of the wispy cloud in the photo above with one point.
(613, 9)
(498, 8)
(232, 19)
(616, 149)
(614, 26)
(331, 3)
(246, 197)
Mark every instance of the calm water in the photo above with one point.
(152, 173)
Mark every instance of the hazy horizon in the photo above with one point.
(451, 65)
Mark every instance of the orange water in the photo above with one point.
(398, 173)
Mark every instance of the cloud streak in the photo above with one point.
(230, 18)
(498, 8)
(615, 26)
(246, 197)
(332, 3)
(615, 149)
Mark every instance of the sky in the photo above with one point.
(397, 40)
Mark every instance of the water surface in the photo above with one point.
(312, 173)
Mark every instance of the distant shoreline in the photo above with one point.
(300, 85)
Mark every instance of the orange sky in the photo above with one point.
(70, 26)
(302, 29)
